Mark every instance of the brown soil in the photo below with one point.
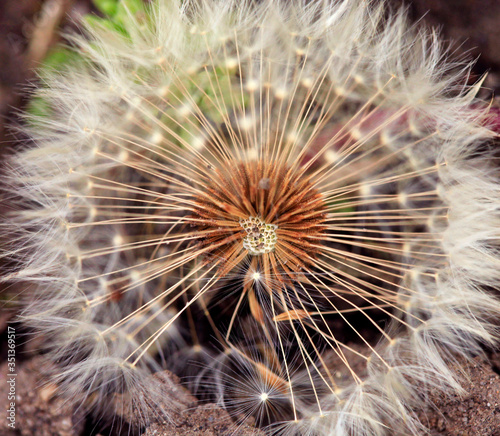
(475, 413)
(206, 420)
(41, 411)
(38, 409)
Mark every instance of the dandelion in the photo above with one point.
(291, 204)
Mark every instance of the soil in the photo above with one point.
(471, 26)
(41, 411)
(475, 413)
(206, 420)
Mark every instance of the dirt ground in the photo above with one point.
(27, 29)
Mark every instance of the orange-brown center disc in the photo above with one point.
(260, 209)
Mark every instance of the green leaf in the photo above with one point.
(107, 7)
(39, 107)
(127, 9)
(97, 22)
(57, 58)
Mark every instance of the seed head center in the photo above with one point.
(260, 237)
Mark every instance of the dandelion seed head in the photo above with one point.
(287, 194)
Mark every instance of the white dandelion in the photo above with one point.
(298, 194)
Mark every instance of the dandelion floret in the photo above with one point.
(261, 237)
